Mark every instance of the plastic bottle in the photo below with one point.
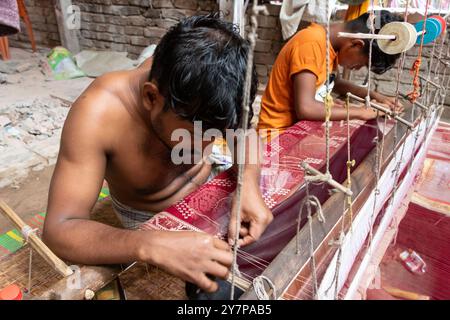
(413, 262)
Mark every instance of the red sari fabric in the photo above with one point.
(282, 184)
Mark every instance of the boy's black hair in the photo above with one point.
(381, 62)
(199, 67)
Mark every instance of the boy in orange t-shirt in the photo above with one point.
(296, 86)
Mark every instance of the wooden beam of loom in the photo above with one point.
(35, 241)
(288, 265)
(86, 279)
(94, 278)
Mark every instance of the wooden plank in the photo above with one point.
(35, 241)
(288, 264)
(82, 282)
(67, 21)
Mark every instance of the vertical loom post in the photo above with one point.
(36, 242)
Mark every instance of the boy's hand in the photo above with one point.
(255, 215)
(368, 113)
(389, 102)
(188, 255)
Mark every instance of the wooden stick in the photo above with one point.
(399, 293)
(326, 179)
(36, 242)
(366, 36)
(420, 105)
(382, 109)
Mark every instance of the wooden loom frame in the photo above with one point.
(94, 278)
(291, 264)
(288, 265)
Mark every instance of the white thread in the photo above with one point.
(27, 231)
(260, 289)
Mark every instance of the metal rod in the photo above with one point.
(382, 109)
(421, 32)
(430, 82)
(326, 178)
(366, 36)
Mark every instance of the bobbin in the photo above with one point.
(405, 37)
(432, 28)
(442, 21)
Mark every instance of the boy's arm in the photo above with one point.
(343, 86)
(75, 186)
(308, 108)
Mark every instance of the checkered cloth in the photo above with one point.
(132, 218)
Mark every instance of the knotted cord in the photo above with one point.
(415, 70)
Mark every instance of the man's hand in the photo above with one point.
(255, 215)
(191, 256)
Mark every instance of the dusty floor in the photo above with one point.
(28, 197)
(33, 108)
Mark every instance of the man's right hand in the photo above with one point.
(191, 256)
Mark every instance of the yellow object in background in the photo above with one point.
(354, 12)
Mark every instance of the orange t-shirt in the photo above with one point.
(305, 51)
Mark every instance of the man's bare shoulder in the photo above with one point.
(100, 110)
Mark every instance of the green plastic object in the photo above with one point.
(63, 65)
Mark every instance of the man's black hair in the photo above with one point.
(199, 67)
(381, 62)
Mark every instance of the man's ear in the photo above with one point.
(151, 96)
(358, 43)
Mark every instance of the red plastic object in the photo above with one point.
(442, 21)
(11, 292)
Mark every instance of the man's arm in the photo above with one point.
(308, 108)
(255, 215)
(343, 86)
(75, 185)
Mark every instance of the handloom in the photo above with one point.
(397, 155)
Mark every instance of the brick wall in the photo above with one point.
(131, 25)
(269, 43)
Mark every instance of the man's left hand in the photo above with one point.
(255, 215)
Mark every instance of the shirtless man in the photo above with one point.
(120, 130)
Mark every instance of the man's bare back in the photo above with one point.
(138, 167)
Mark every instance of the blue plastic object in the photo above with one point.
(433, 30)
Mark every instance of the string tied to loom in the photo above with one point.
(260, 288)
(329, 102)
(27, 231)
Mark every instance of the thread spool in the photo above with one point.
(432, 28)
(405, 37)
